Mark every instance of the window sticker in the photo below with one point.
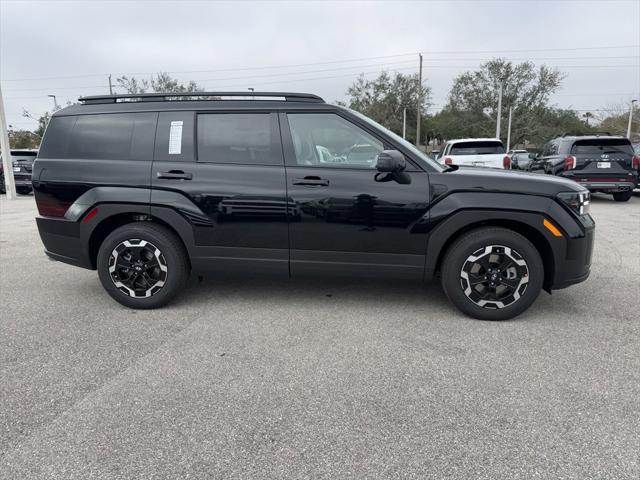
(175, 138)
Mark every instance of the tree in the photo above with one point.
(472, 106)
(615, 120)
(161, 83)
(23, 139)
(384, 99)
(523, 86)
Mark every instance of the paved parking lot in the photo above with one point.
(316, 379)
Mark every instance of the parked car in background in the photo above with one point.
(476, 152)
(22, 168)
(521, 159)
(601, 163)
(148, 188)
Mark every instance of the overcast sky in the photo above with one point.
(68, 48)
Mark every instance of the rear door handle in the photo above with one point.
(175, 175)
(311, 182)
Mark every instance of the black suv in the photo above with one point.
(602, 163)
(22, 167)
(150, 188)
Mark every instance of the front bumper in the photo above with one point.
(575, 264)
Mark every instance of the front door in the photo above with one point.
(344, 216)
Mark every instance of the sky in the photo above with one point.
(68, 48)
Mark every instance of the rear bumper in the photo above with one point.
(61, 239)
(609, 183)
(575, 267)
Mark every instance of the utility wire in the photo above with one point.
(425, 53)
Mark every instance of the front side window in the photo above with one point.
(328, 140)
(238, 138)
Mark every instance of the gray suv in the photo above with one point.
(601, 163)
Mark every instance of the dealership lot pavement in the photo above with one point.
(327, 378)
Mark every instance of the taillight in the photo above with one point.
(52, 208)
(569, 162)
(448, 161)
(635, 162)
(506, 162)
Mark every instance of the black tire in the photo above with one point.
(469, 244)
(23, 190)
(172, 253)
(622, 196)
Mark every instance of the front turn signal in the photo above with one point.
(555, 231)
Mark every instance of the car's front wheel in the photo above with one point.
(142, 265)
(492, 273)
(622, 196)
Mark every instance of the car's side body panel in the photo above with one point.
(234, 214)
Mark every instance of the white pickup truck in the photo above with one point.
(476, 152)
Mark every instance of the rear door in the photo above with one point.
(602, 157)
(224, 172)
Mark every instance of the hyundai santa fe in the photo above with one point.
(148, 189)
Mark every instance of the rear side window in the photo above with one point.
(238, 138)
(113, 136)
(477, 148)
(56, 138)
(602, 145)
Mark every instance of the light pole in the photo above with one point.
(404, 123)
(630, 119)
(7, 161)
(55, 102)
(509, 130)
(499, 111)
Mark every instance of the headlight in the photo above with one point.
(576, 201)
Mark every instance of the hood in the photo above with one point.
(512, 181)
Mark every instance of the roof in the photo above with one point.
(457, 140)
(593, 137)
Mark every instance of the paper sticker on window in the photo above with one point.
(175, 138)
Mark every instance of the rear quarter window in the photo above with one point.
(112, 136)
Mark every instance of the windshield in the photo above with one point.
(397, 138)
(477, 148)
(602, 145)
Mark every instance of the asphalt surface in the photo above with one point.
(329, 379)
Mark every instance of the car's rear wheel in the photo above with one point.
(622, 196)
(492, 273)
(23, 190)
(142, 265)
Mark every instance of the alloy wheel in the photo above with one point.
(494, 276)
(138, 268)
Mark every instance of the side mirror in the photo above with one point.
(390, 161)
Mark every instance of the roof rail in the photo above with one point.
(591, 134)
(183, 96)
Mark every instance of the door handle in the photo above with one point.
(174, 175)
(311, 182)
